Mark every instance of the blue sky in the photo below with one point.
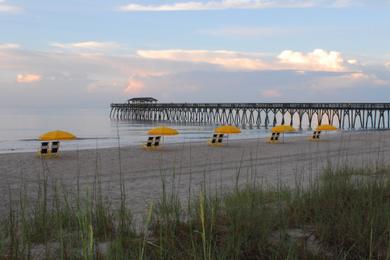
(93, 52)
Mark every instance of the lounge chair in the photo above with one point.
(157, 141)
(315, 136)
(220, 138)
(149, 142)
(55, 146)
(213, 140)
(274, 137)
(44, 151)
(216, 140)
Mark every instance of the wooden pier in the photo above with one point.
(343, 115)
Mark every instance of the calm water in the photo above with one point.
(19, 129)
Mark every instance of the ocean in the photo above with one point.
(20, 129)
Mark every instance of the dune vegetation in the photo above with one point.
(343, 214)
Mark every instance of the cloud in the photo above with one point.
(348, 80)
(269, 93)
(238, 4)
(87, 45)
(189, 76)
(28, 78)
(352, 61)
(226, 59)
(280, 85)
(134, 86)
(8, 8)
(239, 31)
(318, 59)
(7, 46)
(216, 5)
(104, 86)
(347, 3)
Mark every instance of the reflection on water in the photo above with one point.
(19, 129)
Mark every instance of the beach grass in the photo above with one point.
(343, 214)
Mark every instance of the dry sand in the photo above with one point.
(189, 165)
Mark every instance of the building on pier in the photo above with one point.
(142, 100)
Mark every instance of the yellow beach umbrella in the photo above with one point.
(163, 131)
(57, 135)
(227, 129)
(283, 129)
(326, 128)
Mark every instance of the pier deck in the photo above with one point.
(345, 115)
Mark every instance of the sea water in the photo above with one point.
(20, 129)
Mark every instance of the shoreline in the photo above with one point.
(302, 133)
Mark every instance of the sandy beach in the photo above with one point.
(187, 166)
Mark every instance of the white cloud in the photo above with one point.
(8, 8)
(217, 5)
(318, 59)
(226, 59)
(28, 78)
(251, 31)
(237, 4)
(7, 46)
(345, 3)
(87, 45)
(352, 61)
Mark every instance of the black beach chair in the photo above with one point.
(44, 151)
(55, 146)
(220, 139)
(149, 142)
(315, 136)
(214, 140)
(157, 141)
(274, 137)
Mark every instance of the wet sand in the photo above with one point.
(189, 166)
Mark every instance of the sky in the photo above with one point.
(90, 53)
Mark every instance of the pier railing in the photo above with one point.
(345, 115)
